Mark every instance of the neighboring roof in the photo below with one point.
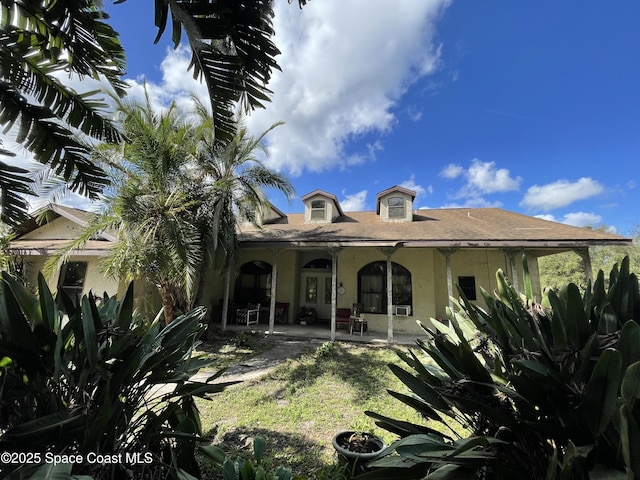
(455, 227)
(395, 188)
(48, 247)
(328, 195)
(35, 246)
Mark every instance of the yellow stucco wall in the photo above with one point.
(426, 265)
(95, 281)
(59, 229)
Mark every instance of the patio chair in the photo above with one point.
(357, 321)
(248, 315)
(281, 313)
(342, 317)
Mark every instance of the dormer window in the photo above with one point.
(321, 207)
(318, 210)
(395, 204)
(396, 207)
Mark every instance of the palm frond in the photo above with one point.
(15, 182)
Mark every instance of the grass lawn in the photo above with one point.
(229, 348)
(301, 405)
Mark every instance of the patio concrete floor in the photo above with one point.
(323, 332)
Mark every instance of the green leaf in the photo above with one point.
(259, 447)
(558, 323)
(27, 301)
(630, 389)
(48, 306)
(125, 310)
(577, 321)
(89, 331)
(230, 470)
(248, 471)
(630, 439)
(420, 388)
(214, 453)
(49, 471)
(601, 393)
(182, 475)
(40, 426)
(420, 406)
(628, 343)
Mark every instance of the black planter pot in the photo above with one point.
(357, 449)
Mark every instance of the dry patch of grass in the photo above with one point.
(230, 348)
(301, 405)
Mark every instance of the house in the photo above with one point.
(400, 264)
(49, 229)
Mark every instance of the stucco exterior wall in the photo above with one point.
(59, 229)
(95, 281)
(428, 278)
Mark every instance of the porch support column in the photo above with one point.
(225, 298)
(334, 289)
(586, 262)
(388, 252)
(511, 253)
(446, 253)
(274, 283)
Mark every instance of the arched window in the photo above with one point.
(254, 283)
(372, 286)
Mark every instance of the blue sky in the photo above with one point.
(529, 106)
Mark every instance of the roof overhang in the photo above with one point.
(522, 244)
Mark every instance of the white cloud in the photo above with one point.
(481, 178)
(582, 219)
(577, 219)
(419, 189)
(354, 203)
(560, 194)
(484, 177)
(452, 171)
(343, 74)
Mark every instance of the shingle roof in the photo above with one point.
(456, 227)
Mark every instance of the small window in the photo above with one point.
(468, 286)
(72, 276)
(396, 207)
(318, 210)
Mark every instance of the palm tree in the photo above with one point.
(231, 49)
(177, 195)
(233, 182)
(148, 205)
(39, 39)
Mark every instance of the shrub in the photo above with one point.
(245, 469)
(546, 391)
(99, 381)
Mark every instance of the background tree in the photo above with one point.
(562, 268)
(232, 53)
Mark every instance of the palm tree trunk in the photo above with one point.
(167, 303)
(225, 300)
